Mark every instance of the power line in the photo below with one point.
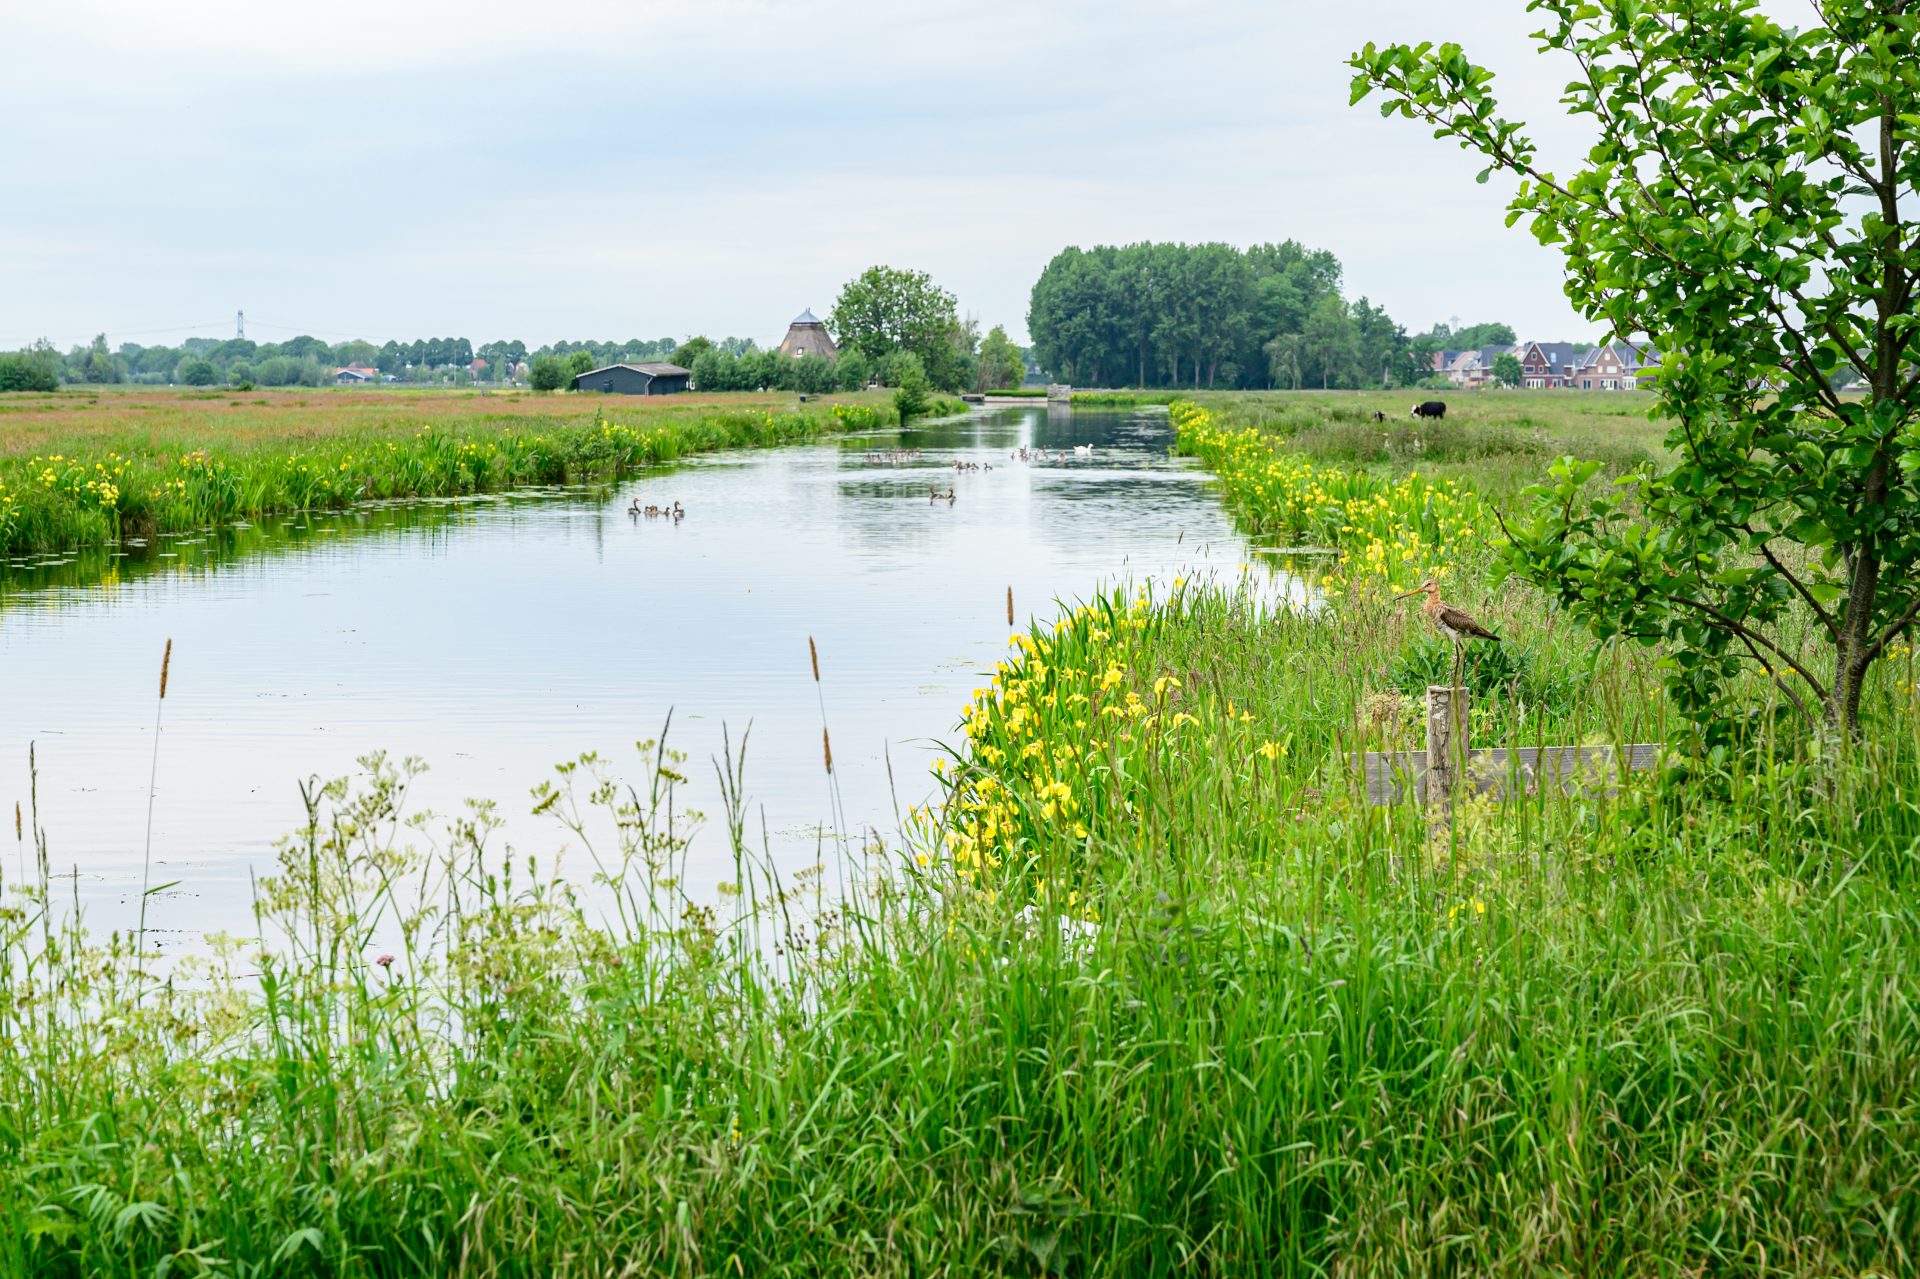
(125, 333)
(238, 322)
(317, 332)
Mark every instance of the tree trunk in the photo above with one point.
(1851, 657)
(1853, 645)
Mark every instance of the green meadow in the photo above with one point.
(86, 469)
(1151, 989)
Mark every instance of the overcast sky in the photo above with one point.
(579, 168)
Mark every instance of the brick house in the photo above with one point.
(1616, 366)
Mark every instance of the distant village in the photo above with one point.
(1553, 366)
(1544, 366)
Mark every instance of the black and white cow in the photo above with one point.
(1432, 408)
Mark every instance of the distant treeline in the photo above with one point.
(1213, 315)
(308, 361)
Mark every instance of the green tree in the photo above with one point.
(549, 373)
(1507, 369)
(306, 347)
(1378, 344)
(909, 382)
(689, 351)
(1193, 314)
(101, 365)
(884, 310)
(1475, 336)
(1748, 206)
(354, 352)
(581, 362)
(1327, 342)
(852, 371)
(1000, 363)
(1283, 359)
(34, 369)
(196, 372)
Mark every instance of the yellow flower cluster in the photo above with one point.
(1068, 721)
(70, 477)
(857, 417)
(1390, 533)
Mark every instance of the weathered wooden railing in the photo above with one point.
(1449, 766)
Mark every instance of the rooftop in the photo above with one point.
(650, 369)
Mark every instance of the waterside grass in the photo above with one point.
(83, 472)
(1154, 991)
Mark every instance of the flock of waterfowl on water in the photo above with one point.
(1024, 454)
(673, 514)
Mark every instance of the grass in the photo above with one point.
(1153, 991)
(1125, 399)
(1499, 441)
(80, 471)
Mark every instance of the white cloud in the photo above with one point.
(640, 169)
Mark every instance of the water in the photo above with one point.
(498, 636)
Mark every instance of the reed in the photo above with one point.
(1152, 991)
(153, 780)
(85, 487)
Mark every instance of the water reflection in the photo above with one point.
(495, 637)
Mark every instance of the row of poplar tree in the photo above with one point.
(1214, 315)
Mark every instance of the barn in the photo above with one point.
(634, 379)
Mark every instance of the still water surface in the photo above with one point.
(498, 636)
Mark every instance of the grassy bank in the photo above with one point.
(79, 471)
(1153, 992)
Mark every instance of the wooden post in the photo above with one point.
(1447, 746)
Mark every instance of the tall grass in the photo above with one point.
(1154, 991)
(59, 499)
(1244, 1025)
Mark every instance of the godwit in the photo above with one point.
(1454, 623)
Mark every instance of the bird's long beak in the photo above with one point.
(1408, 594)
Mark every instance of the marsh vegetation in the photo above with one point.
(1146, 987)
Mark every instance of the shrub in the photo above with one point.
(909, 381)
(22, 372)
(197, 373)
(549, 373)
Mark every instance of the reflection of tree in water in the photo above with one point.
(869, 507)
(885, 512)
(294, 533)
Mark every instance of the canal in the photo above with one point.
(495, 637)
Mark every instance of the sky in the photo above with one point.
(583, 168)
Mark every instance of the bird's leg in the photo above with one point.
(1455, 708)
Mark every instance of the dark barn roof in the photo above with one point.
(650, 369)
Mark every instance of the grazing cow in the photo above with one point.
(1432, 408)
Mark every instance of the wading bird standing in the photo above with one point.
(1455, 624)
